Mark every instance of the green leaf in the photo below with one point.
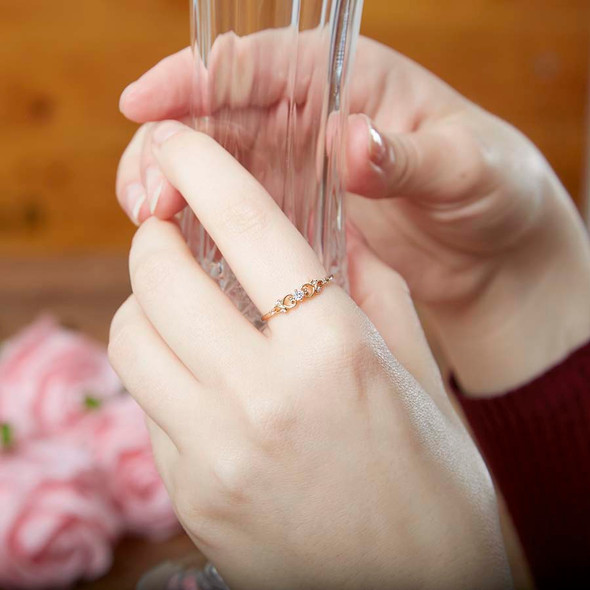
(92, 403)
(6, 436)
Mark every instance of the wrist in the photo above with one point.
(534, 311)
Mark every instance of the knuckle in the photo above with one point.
(197, 507)
(333, 353)
(272, 418)
(339, 343)
(186, 501)
(233, 475)
(342, 355)
(407, 161)
(191, 509)
(246, 216)
(474, 161)
(151, 274)
(150, 271)
(471, 175)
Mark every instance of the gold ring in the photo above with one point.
(292, 300)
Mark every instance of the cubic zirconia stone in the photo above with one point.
(298, 294)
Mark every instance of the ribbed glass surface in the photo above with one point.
(270, 85)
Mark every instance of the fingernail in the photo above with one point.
(166, 130)
(155, 185)
(135, 198)
(377, 146)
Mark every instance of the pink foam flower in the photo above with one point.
(119, 442)
(48, 374)
(56, 526)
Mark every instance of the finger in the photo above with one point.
(437, 163)
(129, 187)
(253, 70)
(141, 189)
(162, 92)
(384, 296)
(164, 201)
(257, 70)
(187, 308)
(265, 251)
(153, 374)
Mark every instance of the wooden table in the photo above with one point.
(83, 292)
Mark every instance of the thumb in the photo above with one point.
(384, 297)
(437, 163)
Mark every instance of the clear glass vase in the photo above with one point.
(270, 85)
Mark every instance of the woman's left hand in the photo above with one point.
(310, 455)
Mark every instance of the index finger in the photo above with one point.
(268, 255)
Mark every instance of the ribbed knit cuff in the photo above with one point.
(536, 441)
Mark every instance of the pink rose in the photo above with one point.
(55, 526)
(119, 442)
(46, 375)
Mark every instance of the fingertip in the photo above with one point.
(165, 130)
(163, 92)
(358, 135)
(137, 204)
(169, 204)
(133, 101)
(126, 97)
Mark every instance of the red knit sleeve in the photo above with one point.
(536, 441)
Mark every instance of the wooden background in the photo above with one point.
(63, 64)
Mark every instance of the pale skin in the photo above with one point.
(467, 211)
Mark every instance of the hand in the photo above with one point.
(307, 456)
(462, 205)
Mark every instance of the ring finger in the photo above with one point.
(266, 252)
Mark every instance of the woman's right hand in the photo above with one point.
(460, 203)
